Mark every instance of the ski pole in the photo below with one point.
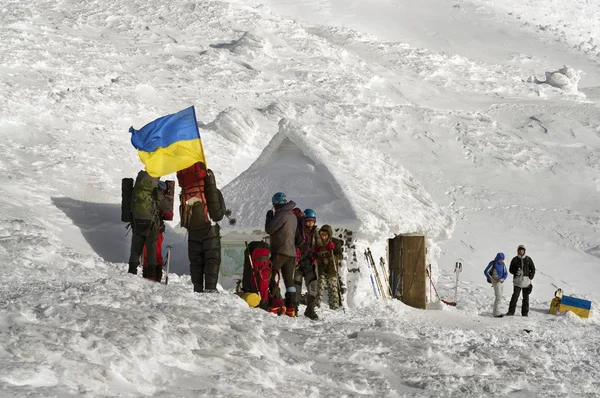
(168, 263)
(337, 277)
(457, 271)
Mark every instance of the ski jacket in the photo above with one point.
(310, 241)
(324, 252)
(282, 227)
(496, 270)
(523, 271)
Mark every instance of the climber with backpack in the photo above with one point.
(202, 207)
(147, 202)
(282, 226)
(167, 188)
(307, 264)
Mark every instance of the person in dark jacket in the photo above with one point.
(329, 256)
(147, 204)
(496, 274)
(307, 263)
(204, 239)
(523, 271)
(282, 226)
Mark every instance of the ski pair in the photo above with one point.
(381, 276)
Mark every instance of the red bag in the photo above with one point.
(261, 272)
(191, 181)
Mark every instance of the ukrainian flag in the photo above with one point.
(170, 143)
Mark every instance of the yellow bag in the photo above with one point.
(252, 299)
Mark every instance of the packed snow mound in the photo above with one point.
(236, 125)
(380, 194)
(234, 139)
(565, 79)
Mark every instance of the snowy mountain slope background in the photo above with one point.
(453, 91)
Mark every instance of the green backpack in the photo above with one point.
(144, 202)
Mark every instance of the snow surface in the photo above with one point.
(451, 92)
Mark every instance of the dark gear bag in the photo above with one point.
(126, 199)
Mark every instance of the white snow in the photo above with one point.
(444, 103)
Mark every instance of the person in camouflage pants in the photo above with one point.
(329, 255)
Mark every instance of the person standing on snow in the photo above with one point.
(523, 271)
(204, 239)
(164, 215)
(329, 255)
(282, 226)
(147, 204)
(496, 274)
(307, 264)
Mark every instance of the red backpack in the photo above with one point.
(257, 276)
(192, 209)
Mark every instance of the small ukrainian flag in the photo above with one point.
(170, 143)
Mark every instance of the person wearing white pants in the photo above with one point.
(496, 274)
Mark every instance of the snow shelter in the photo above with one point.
(282, 167)
(364, 194)
(407, 269)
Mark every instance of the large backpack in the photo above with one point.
(257, 270)
(192, 209)
(144, 206)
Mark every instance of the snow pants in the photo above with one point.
(515, 297)
(498, 290)
(329, 283)
(306, 271)
(159, 259)
(204, 253)
(138, 241)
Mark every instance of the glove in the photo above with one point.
(519, 272)
(162, 186)
(489, 281)
(330, 246)
(298, 255)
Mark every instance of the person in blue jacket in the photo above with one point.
(496, 274)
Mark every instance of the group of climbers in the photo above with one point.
(201, 208)
(298, 249)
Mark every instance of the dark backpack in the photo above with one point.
(126, 199)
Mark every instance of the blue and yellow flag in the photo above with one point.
(170, 143)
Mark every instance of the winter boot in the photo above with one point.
(159, 272)
(291, 304)
(133, 268)
(310, 308)
(198, 288)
